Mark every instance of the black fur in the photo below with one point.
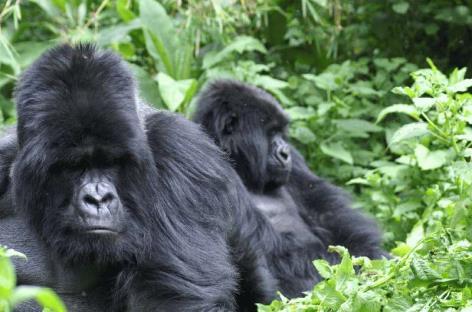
(310, 213)
(190, 235)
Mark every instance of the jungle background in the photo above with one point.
(377, 95)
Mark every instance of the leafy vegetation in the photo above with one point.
(11, 296)
(404, 152)
(423, 189)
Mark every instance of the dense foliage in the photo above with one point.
(336, 66)
(11, 296)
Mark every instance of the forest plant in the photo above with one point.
(425, 190)
(11, 296)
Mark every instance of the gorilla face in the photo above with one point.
(84, 170)
(255, 138)
(279, 163)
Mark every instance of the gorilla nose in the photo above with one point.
(98, 199)
(283, 154)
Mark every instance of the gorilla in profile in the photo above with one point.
(138, 208)
(310, 213)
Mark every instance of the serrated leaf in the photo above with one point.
(398, 108)
(409, 131)
(423, 270)
(336, 150)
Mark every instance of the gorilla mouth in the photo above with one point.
(102, 230)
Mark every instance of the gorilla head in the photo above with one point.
(80, 144)
(249, 124)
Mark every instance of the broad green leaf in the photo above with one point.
(323, 267)
(163, 42)
(344, 270)
(428, 160)
(300, 113)
(49, 7)
(409, 131)
(7, 276)
(411, 93)
(457, 75)
(324, 81)
(123, 10)
(303, 135)
(361, 181)
(44, 296)
(401, 249)
(424, 104)
(116, 33)
(398, 108)
(415, 235)
(356, 125)
(460, 86)
(401, 7)
(336, 150)
(240, 44)
(174, 92)
(148, 87)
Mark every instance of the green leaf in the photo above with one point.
(173, 92)
(116, 33)
(303, 135)
(415, 235)
(401, 7)
(323, 267)
(148, 87)
(122, 8)
(423, 270)
(240, 44)
(170, 48)
(398, 108)
(7, 276)
(336, 150)
(344, 270)
(428, 160)
(460, 86)
(356, 125)
(300, 113)
(44, 296)
(424, 104)
(409, 131)
(324, 81)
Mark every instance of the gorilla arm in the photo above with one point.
(326, 209)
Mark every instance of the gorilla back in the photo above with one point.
(250, 125)
(159, 209)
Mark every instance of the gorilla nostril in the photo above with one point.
(108, 198)
(90, 200)
(283, 153)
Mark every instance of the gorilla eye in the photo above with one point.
(230, 124)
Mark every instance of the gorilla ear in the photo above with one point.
(230, 124)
